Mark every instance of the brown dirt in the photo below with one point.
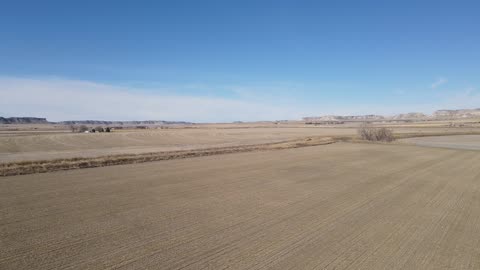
(338, 206)
(70, 145)
(16, 147)
(42, 166)
(84, 160)
(468, 142)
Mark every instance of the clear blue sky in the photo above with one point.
(276, 59)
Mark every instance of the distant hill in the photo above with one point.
(454, 114)
(341, 118)
(36, 120)
(408, 116)
(437, 115)
(23, 120)
(99, 122)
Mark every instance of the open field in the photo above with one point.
(337, 206)
(67, 145)
(22, 146)
(42, 166)
(470, 142)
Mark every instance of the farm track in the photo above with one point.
(467, 142)
(337, 206)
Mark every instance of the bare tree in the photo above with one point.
(82, 128)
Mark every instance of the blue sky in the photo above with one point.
(213, 61)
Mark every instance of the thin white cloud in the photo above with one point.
(60, 99)
(399, 92)
(468, 98)
(438, 83)
(469, 91)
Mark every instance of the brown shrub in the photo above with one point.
(82, 128)
(373, 134)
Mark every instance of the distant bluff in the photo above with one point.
(23, 120)
(465, 113)
(37, 120)
(437, 115)
(100, 122)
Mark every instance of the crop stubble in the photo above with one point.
(338, 206)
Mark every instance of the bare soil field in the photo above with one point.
(51, 165)
(470, 142)
(68, 145)
(23, 146)
(337, 206)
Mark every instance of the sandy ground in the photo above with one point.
(471, 142)
(68, 145)
(339, 206)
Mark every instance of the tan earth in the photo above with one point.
(45, 145)
(469, 142)
(337, 206)
(67, 145)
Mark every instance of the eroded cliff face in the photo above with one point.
(23, 120)
(440, 114)
(464, 113)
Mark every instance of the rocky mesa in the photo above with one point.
(23, 120)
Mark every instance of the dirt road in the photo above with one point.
(470, 142)
(338, 206)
